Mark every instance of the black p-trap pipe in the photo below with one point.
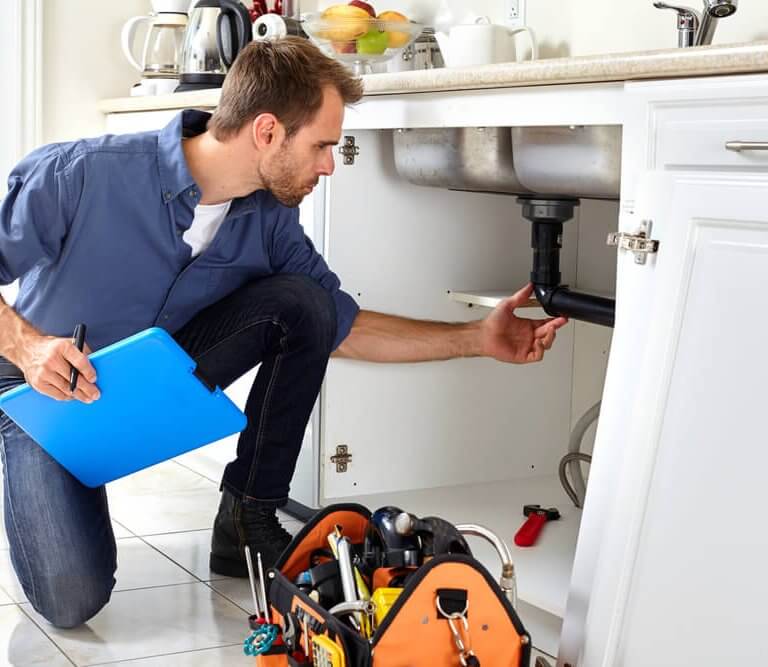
(547, 216)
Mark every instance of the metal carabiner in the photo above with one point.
(466, 654)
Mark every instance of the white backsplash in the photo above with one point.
(586, 27)
(426, 10)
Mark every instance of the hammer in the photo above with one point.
(537, 517)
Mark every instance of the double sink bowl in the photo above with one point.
(575, 161)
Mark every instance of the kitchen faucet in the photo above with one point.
(698, 28)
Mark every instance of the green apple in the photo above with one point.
(373, 43)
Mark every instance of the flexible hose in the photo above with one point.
(579, 489)
(573, 457)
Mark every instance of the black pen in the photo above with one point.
(78, 340)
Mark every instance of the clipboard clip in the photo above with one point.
(207, 383)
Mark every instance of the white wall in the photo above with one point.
(8, 113)
(585, 27)
(83, 63)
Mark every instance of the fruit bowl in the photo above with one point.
(361, 41)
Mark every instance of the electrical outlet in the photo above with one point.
(516, 12)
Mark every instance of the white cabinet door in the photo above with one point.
(680, 578)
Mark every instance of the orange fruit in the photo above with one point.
(396, 39)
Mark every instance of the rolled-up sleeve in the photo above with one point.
(34, 214)
(292, 252)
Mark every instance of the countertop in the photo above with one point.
(662, 64)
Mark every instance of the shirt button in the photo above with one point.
(167, 196)
(192, 193)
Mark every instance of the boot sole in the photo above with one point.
(228, 567)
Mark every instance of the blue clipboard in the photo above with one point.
(152, 407)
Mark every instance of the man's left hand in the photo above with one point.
(509, 338)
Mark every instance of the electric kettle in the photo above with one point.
(217, 31)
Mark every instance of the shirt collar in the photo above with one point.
(174, 173)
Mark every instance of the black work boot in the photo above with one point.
(235, 526)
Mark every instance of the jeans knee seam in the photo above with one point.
(260, 433)
(273, 320)
(23, 551)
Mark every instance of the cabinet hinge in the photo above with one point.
(349, 150)
(342, 458)
(639, 243)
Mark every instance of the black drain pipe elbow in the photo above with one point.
(547, 216)
(562, 302)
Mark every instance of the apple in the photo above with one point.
(396, 38)
(373, 43)
(344, 47)
(365, 6)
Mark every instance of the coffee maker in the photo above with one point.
(217, 31)
(160, 55)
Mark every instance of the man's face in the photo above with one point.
(297, 164)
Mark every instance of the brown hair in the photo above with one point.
(285, 77)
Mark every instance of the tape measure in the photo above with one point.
(327, 653)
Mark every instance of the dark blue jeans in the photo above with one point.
(62, 546)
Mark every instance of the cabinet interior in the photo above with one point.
(471, 440)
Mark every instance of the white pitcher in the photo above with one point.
(481, 43)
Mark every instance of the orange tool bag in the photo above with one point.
(449, 612)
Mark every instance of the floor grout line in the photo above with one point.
(51, 639)
(161, 655)
(21, 607)
(186, 467)
(179, 565)
(172, 532)
(226, 597)
(120, 524)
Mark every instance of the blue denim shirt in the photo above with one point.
(93, 229)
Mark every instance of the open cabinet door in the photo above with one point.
(679, 568)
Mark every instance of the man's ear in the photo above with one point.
(265, 130)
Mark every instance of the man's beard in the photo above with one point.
(279, 180)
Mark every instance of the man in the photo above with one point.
(194, 228)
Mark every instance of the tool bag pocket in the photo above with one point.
(451, 612)
(342, 646)
(275, 657)
(309, 551)
(313, 537)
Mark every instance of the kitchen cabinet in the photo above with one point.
(662, 566)
(663, 546)
(678, 563)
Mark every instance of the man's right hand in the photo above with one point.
(46, 362)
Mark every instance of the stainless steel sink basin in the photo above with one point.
(458, 158)
(582, 161)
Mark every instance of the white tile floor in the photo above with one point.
(167, 608)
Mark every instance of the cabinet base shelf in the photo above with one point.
(487, 298)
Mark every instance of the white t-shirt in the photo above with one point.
(208, 219)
